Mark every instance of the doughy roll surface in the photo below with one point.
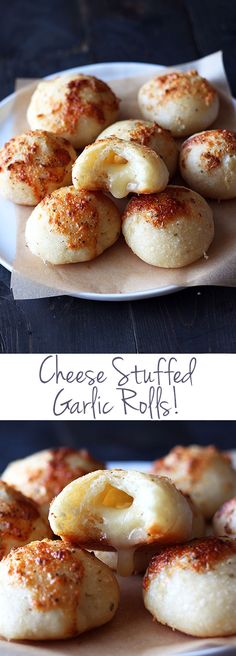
(149, 134)
(183, 102)
(72, 226)
(204, 473)
(20, 520)
(75, 106)
(43, 475)
(50, 591)
(119, 167)
(33, 165)
(192, 587)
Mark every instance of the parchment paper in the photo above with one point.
(118, 270)
(131, 633)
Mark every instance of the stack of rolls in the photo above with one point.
(53, 587)
(76, 217)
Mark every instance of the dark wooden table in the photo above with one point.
(40, 38)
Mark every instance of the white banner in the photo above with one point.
(118, 387)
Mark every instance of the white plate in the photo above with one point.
(106, 71)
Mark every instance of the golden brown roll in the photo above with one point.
(72, 226)
(192, 587)
(75, 106)
(203, 472)
(120, 167)
(171, 229)
(183, 102)
(149, 134)
(49, 591)
(33, 164)
(20, 520)
(121, 510)
(208, 163)
(43, 475)
(224, 520)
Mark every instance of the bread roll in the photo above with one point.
(203, 472)
(180, 101)
(20, 520)
(75, 106)
(49, 591)
(224, 520)
(208, 163)
(120, 167)
(121, 510)
(171, 229)
(33, 164)
(43, 475)
(192, 587)
(147, 134)
(72, 226)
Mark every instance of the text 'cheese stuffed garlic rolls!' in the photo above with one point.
(121, 510)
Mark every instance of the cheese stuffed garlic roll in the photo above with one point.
(143, 554)
(119, 167)
(192, 587)
(181, 101)
(75, 106)
(44, 474)
(146, 133)
(33, 165)
(204, 473)
(50, 591)
(121, 510)
(20, 520)
(72, 226)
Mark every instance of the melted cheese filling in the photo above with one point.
(112, 497)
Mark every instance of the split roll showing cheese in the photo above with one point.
(121, 510)
(119, 167)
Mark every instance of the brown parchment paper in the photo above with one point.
(118, 271)
(131, 633)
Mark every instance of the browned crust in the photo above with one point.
(76, 104)
(218, 143)
(38, 174)
(142, 133)
(199, 555)
(176, 84)
(58, 472)
(75, 217)
(51, 570)
(163, 208)
(195, 462)
(17, 516)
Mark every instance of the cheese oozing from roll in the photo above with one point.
(20, 520)
(149, 134)
(50, 591)
(72, 226)
(121, 510)
(192, 587)
(119, 167)
(33, 165)
(180, 101)
(43, 475)
(204, 473)
(75, 106)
